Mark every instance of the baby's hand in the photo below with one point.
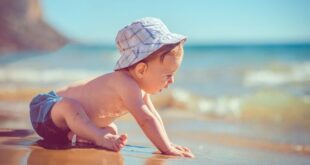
(181, 148)
(176, 152)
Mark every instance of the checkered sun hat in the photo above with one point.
(141, 38)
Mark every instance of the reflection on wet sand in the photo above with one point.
(74, 156)
(15, 132)
(212, 142)
(21, 146)
(12, 156)
(158, 159)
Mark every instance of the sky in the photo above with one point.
(202, 21)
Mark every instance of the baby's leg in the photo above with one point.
(111, 128)
(68, 113)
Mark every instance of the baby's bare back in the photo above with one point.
(98, 97)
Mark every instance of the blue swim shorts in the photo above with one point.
(40, 116)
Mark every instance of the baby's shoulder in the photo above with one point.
(125, 84)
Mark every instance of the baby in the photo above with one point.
(150, 57)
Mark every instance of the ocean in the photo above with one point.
(259, 82)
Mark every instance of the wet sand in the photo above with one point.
(213, 141)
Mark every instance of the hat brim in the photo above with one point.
(131, 58)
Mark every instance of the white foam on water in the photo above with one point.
(220, 106)
(27, 75)
(297, 73)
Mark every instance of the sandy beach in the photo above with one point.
(213, 141)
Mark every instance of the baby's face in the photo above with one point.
(160, 75)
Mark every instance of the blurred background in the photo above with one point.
(246, 61)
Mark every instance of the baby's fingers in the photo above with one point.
(187, 149)
(187, 154)
(179, 148)
(183, 148)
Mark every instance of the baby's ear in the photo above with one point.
(140, 69)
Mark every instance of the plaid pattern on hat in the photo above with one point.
(141, 38)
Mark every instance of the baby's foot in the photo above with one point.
(113, 142)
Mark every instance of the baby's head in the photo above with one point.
(150, 52)
(141, 39)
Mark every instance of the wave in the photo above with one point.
(50, 76)
(262, 106)
(278, 75)
(183, 100)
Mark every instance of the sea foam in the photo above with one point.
(296, 73)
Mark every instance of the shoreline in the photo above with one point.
(213, 140)
(23, 146)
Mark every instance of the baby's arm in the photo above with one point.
(149, 103)
(147, 121)
(132, 98)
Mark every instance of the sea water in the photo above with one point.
(269, 82)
